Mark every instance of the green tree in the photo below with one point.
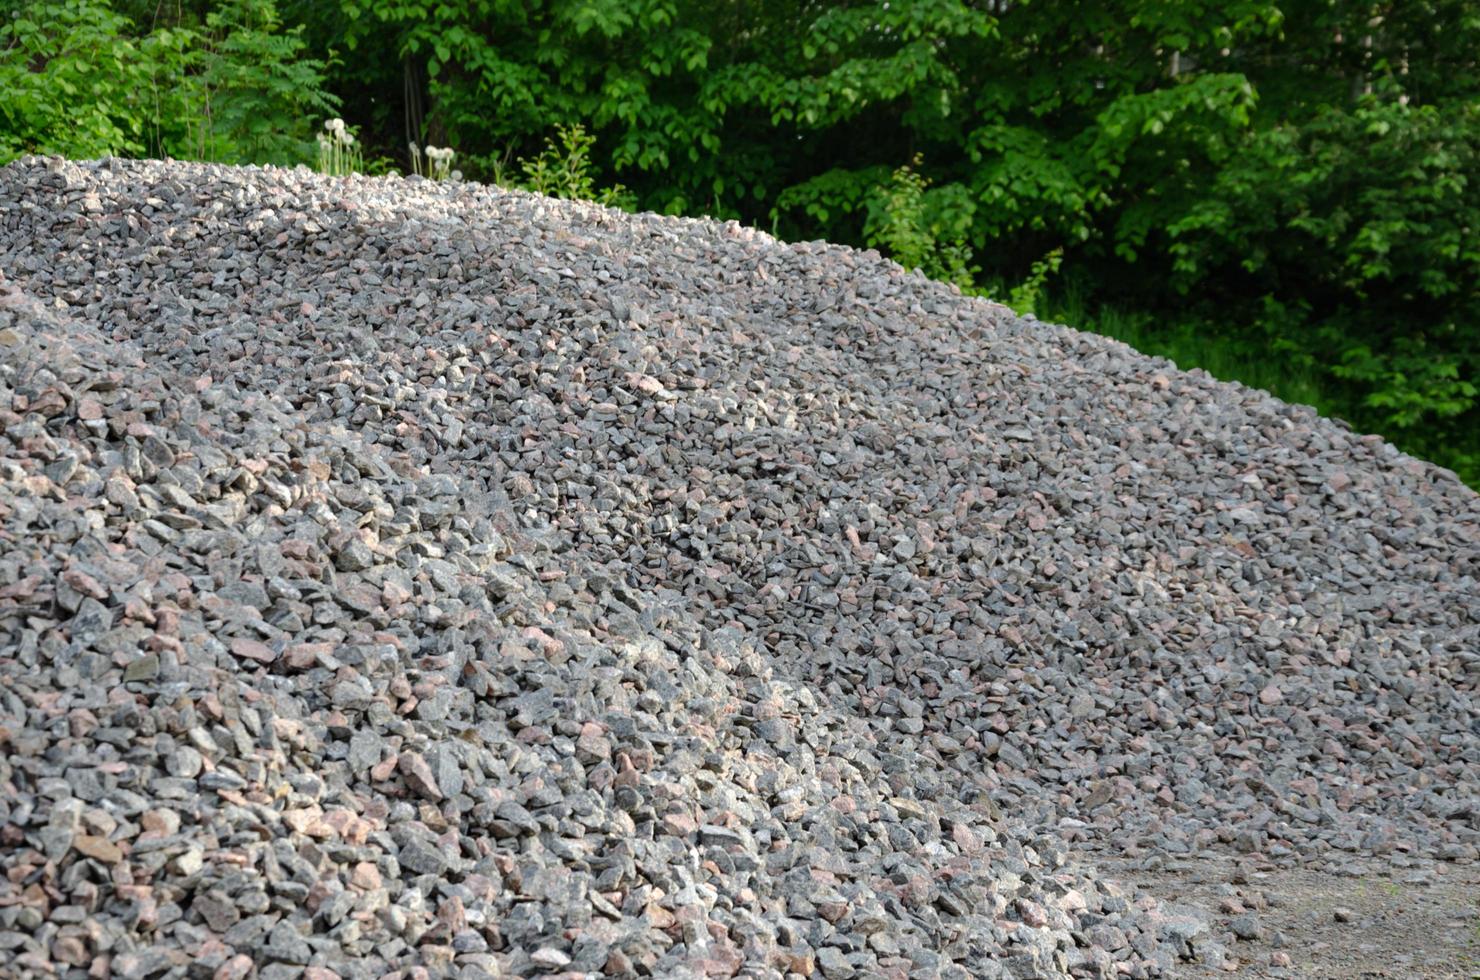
(84, 80)
(71, 79)
(1352, 243)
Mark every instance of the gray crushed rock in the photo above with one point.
(423, 579)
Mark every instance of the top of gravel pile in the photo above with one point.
(416, 577)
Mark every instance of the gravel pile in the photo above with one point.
(422, 577)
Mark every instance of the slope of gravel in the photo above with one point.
(399, 576)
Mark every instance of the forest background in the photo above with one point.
(1285, 194)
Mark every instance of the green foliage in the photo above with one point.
(1351, 239)
(71, 80)
(830, 202)
(564, 169)
(925, 230)
(253, 90)
(81, 79)
(918, 235)
(1026, 296)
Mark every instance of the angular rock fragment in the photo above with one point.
(411, 577)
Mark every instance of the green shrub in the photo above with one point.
(925, 230)
(919, 232)
(81, 80)
(73, 82)
(252, 93)
(564, 169)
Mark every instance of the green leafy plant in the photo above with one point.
(249, 86)
(564, 169)
(917, 235)
(1027, 295)
(1376, 207)
(927, 231)
(82, 80)
(71, 78)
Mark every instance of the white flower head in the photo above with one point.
(413, 148)
(335, 125)
(348, 139)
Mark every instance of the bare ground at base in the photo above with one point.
(1401, 924)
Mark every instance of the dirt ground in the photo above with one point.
(1406, 925)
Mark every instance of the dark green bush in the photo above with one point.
(1350, 245)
